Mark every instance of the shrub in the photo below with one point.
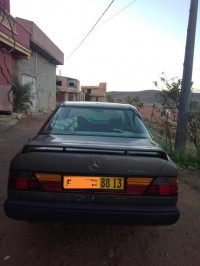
(184, 160)
(187, 159)
(22, 96)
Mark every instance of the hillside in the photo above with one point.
(146, 96)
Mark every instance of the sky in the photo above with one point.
(128, 50)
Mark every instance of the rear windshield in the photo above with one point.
(96, 122)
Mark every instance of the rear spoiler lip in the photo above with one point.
(86, 148)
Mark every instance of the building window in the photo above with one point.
(71, 84)
(59, 83)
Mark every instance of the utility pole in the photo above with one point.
(181, 131)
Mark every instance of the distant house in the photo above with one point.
(94, 93)
(14, 45)
(40, 69)
(67, 89)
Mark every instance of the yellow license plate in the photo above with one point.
(97, 182)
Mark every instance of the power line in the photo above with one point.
(117, 13)
(90, 30)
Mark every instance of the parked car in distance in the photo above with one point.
(93, 163)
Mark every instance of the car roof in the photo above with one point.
(100, 105)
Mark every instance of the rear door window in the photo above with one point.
(96, 121)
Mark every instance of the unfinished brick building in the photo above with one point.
(94, 93)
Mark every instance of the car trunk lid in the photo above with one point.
(117, 156)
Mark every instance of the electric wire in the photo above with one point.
(90, 30)
(116, 13)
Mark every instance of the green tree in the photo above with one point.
(135, 101)
(110, 98)
(129, 100)
(170, 94)
(194, 124)
(118, 100)
(169, 98)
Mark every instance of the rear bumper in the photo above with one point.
(91, 213)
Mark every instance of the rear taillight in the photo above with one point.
(161, 186)
(137, 185)
(22, 180)
(49, 182)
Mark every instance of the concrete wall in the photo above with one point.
(44, 73)
(42, 41)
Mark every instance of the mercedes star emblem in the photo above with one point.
(95, 165)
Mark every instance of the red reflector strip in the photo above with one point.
(152, 190)
(21, 183)
(23, 180)
(164, 190)
(33, 185)
(168, 190)
(25, 184)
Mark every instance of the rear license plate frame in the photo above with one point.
(93, 182)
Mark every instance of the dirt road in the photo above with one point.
(57, 244)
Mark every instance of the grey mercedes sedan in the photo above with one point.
(93, 163)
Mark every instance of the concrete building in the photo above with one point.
(40, 69)
(94, 93)
(14, 45)
(67, 89)
(27, 53)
